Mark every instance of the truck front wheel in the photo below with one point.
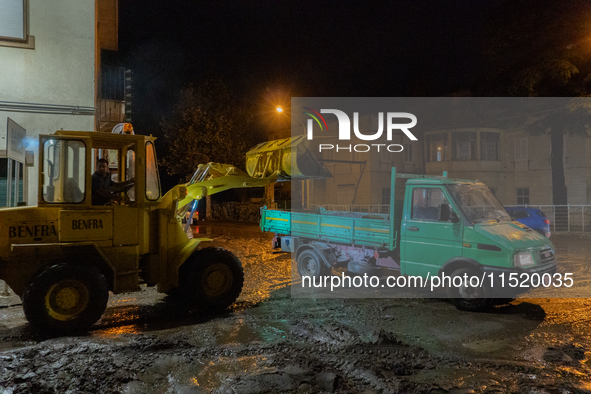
(66, 298)
(466, 297)
(212, 279)
(309, 264)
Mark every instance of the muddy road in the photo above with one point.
(270, 342)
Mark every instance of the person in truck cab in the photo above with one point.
(104, 189)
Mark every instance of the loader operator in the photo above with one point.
(104, 190)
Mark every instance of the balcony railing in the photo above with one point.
(111, 98)
(570, 218)
(367, 208)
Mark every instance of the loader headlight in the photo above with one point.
(523, 259)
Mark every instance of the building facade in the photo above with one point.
(515, 164)
(359, 177)
(49, 62)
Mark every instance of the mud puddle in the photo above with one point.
(269, 342)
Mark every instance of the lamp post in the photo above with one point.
(277, 121)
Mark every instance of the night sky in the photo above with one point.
(296, 48)
(269, 51)
(328, 48)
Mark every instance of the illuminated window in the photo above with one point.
(437, 147)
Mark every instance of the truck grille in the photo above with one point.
(546, 256)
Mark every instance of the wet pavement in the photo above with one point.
(270, 342)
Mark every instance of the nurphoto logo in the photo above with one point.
(345, 129)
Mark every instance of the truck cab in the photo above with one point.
(68, 162)
(438, 229)
(459, 225)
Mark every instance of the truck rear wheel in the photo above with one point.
(309, 264)
(66, 298)
(212, 279)
(466, 297)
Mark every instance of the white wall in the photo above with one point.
(58, 71)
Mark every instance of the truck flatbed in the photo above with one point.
(352, 228)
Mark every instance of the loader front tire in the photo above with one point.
(212, 279)
(66, 299)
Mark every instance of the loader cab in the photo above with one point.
(69, 160)
(67, 163)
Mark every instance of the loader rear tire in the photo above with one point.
(212, 279)
(66, 299)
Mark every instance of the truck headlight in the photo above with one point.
(522, 259)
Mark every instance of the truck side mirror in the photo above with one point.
(444, 211)
(446, 214)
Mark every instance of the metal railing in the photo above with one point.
(111, 98)
(368, 208)
(571, 218)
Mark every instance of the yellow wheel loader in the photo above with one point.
(64, 255)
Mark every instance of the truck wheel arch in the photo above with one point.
(456, 263)
(325, 252)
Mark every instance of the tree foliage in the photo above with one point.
(572, 118)
(542, 48)
(536, 48)
(208, 124)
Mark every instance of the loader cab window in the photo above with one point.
(64, 169)
(117, 186)
(130, 172)
(152, 179)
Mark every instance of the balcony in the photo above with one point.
(111, 103)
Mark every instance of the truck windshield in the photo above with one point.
(478, 203)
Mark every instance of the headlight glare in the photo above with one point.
(523, 259)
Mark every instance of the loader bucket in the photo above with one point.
(289, 158)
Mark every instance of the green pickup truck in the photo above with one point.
(438, 229)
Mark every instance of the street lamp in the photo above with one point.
(279, 109)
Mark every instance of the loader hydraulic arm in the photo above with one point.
(266, 163)
(213, 178)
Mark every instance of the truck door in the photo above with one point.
(426, 241)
